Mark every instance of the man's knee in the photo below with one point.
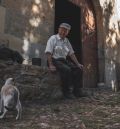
(77, 72)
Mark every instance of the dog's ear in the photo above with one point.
(13, 81)
(9, 81)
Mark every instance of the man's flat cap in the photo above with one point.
(65, 25)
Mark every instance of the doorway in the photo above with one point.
(83, 35)
(66, 11)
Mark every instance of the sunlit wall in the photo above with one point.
(31, 21)
(111, 23)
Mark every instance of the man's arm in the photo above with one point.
(74, 59)
(49, 51)
(50, 63)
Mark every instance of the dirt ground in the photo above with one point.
(101, 111)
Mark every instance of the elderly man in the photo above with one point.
(57, 49)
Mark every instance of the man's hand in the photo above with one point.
(74, 59)
(80, 66)
(52, 68)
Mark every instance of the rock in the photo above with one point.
(34, 82)
(9, 54)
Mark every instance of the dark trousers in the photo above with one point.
(70, 76)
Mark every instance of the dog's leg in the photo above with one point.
(4, 112)
(19, 110)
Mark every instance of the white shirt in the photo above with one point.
(58, 47)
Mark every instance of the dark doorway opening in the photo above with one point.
(66, 11)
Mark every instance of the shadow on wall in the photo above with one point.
(38, 28)
(32, 22)
(112, 46)
(108, 13)
(37, 51)
(118, 58)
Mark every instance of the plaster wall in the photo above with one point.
(27, 25)
(111, 20)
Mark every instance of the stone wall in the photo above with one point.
(2, 17)
(34, 82)
(28, 25)
(111, 20)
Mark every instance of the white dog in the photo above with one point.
(10, 99)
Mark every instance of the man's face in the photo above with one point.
(63, 32)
